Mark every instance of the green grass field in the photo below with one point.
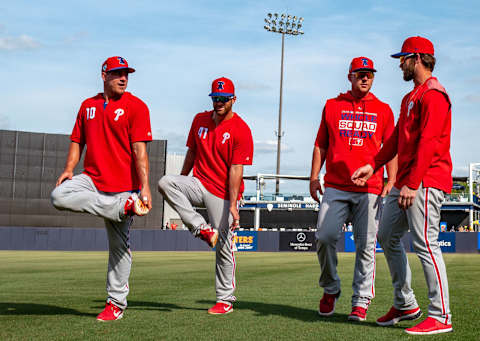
(56, 296)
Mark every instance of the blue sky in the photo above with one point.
(52, 51)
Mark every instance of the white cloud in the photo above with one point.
(253, 86)
(175, 141)
(17, 43)
(270, 146)
(460, 170)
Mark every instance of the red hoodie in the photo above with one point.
(352, 132)
(422, 139)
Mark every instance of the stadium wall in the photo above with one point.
(30, 164)
(95, 239)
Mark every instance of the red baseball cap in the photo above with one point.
(361, 64)
(116, 63)
(415, 45)
(222, 87)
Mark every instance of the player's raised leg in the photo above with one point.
(183, 193)
(80, 195)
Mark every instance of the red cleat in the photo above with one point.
(358, 314)
(327, 304)
(135, 206)
(396, 315)
(429, 326)
(209, 235)
(221, 308)
(110, 313)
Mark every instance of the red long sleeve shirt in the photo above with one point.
(352, 132)
(422, 139)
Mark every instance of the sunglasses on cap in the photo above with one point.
(404, 58)
(222, 99)
(361, 74)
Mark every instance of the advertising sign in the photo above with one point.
(350, 244)
(446, 240)
(246, 240)
(297, 241)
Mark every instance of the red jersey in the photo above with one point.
(108, 132)
(422, 139)
(352, 132)
(217, 148)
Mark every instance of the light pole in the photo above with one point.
(283, 24)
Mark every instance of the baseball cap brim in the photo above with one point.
(130, 70)
(399, 54)
(364, 69)
(221, 94)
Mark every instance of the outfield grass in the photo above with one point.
(56, 296)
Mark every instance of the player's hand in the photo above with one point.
(315, 187)
(241, 202)
(235, 216)
(387, 188)
(361, 175)
(406, 197)
(146, 197)
(64, 176)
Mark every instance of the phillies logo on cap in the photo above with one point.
(361, 64)
(116, 63)
(222, 87)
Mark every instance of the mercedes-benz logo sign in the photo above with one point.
(301, 237)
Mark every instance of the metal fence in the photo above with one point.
(30, 163)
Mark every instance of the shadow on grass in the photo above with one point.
(142, 305)
(37, 309)
(305, 315)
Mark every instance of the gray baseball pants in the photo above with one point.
(423, 219)
(185, 192)
(81, 195)
(335, 208)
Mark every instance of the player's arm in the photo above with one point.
(434, 115)
(392, 168)
(392, 165)
(385, 155)
(235, 176)
(140, 156)
(188, 162)
(318, 159)
(74, 155)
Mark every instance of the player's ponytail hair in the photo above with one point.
(428, 60)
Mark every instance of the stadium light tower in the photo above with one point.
(283, 24)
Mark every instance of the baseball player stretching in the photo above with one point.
(219, 144)
(422, 141)
(354, 125)
(114, 126)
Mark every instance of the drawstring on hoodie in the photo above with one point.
(354, 104)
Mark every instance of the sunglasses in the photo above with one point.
(361, 74)
(404, 58)
(222, 99)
